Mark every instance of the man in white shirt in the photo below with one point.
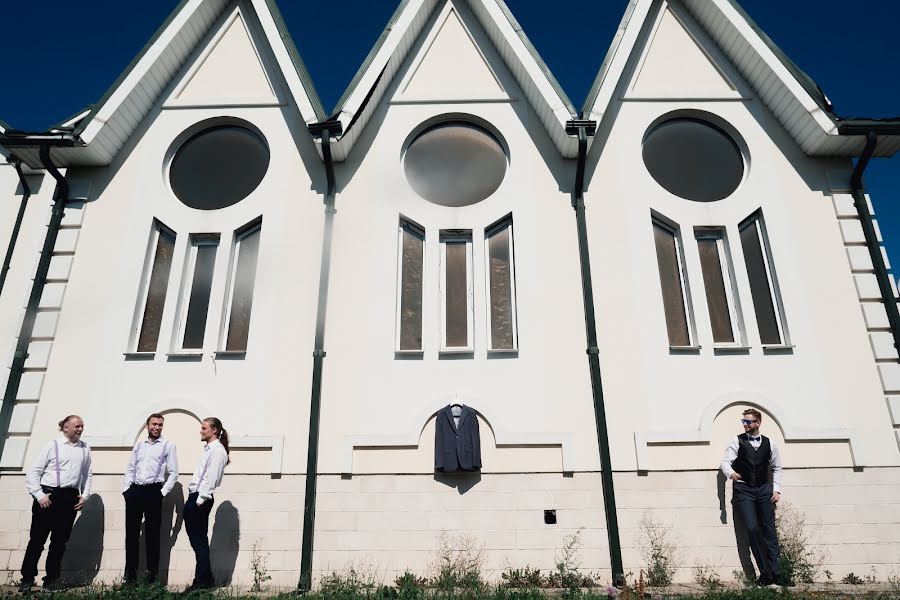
(150, 475)
(207, 477)
(748, 460)
(60, 482)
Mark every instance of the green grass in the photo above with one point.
(482, 592)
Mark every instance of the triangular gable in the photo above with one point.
(450, 65)
(113, 119)
(230, 70)
(791, 96)
(674, 64)
(378, 71)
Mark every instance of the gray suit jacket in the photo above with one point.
(457, 449)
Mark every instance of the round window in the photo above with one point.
(455, 164)
(693, 159)
(218, 167)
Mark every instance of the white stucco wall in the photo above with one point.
(379, 502)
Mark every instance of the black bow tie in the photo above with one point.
(755, 439)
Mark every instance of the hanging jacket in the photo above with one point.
(457, 448)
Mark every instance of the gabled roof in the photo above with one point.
(102, 129)
(792, 96)
(381, 65)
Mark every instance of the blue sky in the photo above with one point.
(61, 55)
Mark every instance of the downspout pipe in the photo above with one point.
(875, 252)
(60, 198)
(20, 215)
(584, 128)
(324, 131)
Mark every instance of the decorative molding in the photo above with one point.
(703, 435)
(193, 408)
(416, 424)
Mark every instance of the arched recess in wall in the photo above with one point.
(557, 447)
(182, 426)
(802, 447)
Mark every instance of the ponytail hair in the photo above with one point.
(66, 420)
(216, 424)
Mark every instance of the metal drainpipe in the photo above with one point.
(60, 196)
(312, 453)
(583, 128)
(865, 217)
(18, 225)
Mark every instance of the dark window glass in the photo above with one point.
(219, 167)
(693, 159)
(455, 164)
(156, 290)
(412, 260)
(760, 290)
(201, 284)
(670, 280)
(716, 296)
(500, 276)
(242, 291)
(457, 295)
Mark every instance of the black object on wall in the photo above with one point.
(457, 447)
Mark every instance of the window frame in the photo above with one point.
(144, 287)
(732, 297)
(456, 236)
(756, 218)
(195, 240)
(674, 229)
(239, 235)
(418, 230)
(489, 231)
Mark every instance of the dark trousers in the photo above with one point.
(142, 502)
(55, 521)
(196, 523)
(754, 506)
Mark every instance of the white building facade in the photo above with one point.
(216, 256)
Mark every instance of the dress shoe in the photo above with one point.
(25, 586)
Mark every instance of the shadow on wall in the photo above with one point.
(741, 535)
(225, 543)
(462, 481)
(81, 562)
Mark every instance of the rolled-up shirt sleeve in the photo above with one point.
(731, 452)
(33, 478)
(775, 462)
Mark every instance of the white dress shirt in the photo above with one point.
(61, 464)
(731, 452)
(149, 462)
(209, 471)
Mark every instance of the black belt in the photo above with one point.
(49, 490)
(158, 484)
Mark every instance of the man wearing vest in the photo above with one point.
(150, 475)
(747, 461)
(60, 482)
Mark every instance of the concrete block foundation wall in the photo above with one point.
(382, 525)
(247, 508)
